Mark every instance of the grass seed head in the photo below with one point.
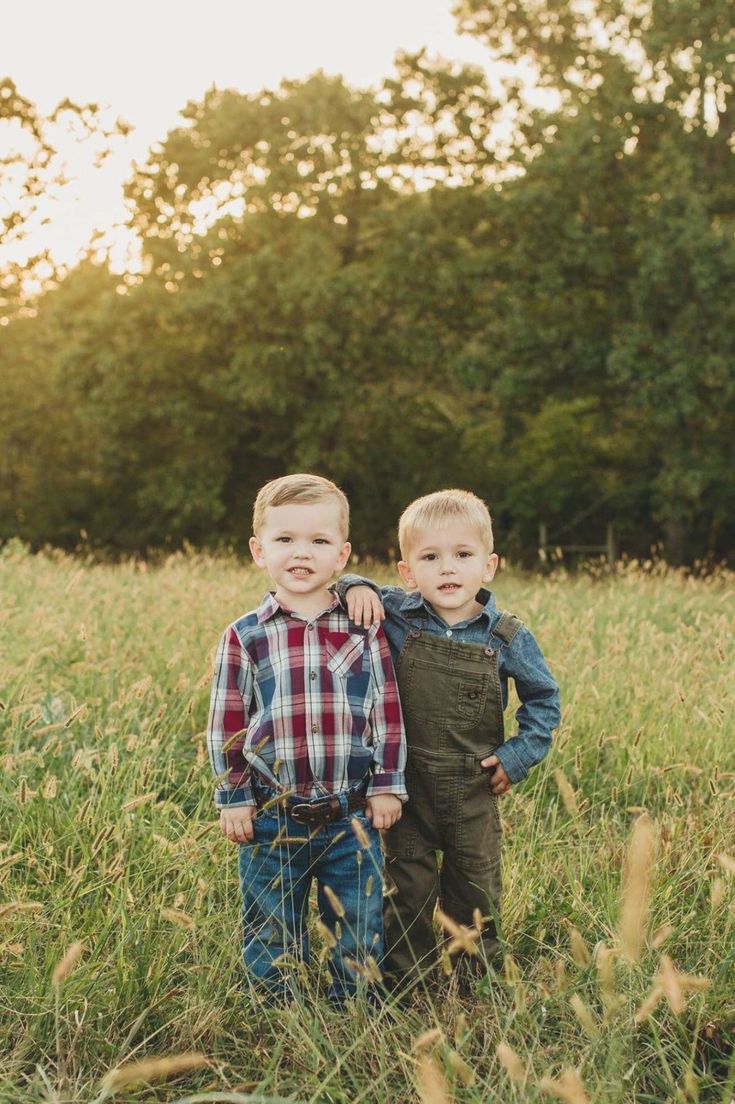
(334, 901)
(580, 950)
(66, 964)
(567, 792)
(432, 1087)
(427, 1039)
(151, 1069)
(633, 917)
(179, 917)
(510, 1062)
(462, 1070)
(568, 1087)
(583, 1013)
(360, 834)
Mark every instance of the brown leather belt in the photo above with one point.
(317, 813)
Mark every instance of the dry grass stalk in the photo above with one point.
(66, 964)
(367, 969)
(633, 919)
(427, 1039)
(462, 1070)
(674, 984)
(151, 1069)
(141, 799)
(726, 862)
(661, 935)
(178, 917)
(432, 1087)
(510, 1062)
(463, 938)
(568, 794)
(327, 934)
(360, 834)
(580, 950)
(605, 963)
(648, 1005)
(568, 1087)
(334, 901)
(19, 906)
(584, 1014)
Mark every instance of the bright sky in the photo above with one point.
(146, 58)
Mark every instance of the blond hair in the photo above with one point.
(301, 488)
(434, 510)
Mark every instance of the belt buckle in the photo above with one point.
(309, 812)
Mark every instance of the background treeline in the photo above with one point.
(425, 284)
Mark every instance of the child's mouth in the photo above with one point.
(449, 588)
(300, 572)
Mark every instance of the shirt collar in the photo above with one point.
(270, 606)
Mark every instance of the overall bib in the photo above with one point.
(453, 711)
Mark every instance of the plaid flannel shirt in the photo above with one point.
(312, 702)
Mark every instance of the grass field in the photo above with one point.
(109, 841)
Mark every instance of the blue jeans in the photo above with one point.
(276, 873)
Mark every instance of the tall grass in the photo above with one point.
(119, 929)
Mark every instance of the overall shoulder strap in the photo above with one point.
(507, 626)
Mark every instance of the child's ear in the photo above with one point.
(406, 574)
(490, 568)
(344, 555)
(256, 551)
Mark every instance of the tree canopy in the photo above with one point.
(420, 285)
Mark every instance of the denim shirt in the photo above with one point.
(520, 660)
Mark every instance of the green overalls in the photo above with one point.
(453, 711)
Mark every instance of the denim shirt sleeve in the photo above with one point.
(539, 713)
(390, 596)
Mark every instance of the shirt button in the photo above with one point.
(314, 728)
(449, 632)
(313, 674)
(310, 626)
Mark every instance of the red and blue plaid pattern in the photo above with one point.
(313, 703)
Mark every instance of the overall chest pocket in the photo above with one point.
(345, 653)
(471, 696)
(434, 692)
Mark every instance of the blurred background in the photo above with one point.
(405, 245)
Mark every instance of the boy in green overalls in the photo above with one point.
(454, 652)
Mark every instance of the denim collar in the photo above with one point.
(414, 604)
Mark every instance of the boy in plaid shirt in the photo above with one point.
(307, 743)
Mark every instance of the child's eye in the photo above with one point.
(321, 540)
(429, 556)
(465, 555)
(283, 540)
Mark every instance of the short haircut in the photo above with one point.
(435, 510)
(303, 488)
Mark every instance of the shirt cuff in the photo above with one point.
(511, 763)
(388, 782)
(233, 799)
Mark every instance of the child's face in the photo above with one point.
(449, 565)
(301, 545)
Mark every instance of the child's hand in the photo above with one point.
(384, 810)
(237, 823)
(363, 606)
(499, 781)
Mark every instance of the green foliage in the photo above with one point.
(408, 287)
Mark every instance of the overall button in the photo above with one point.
(449, 632)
